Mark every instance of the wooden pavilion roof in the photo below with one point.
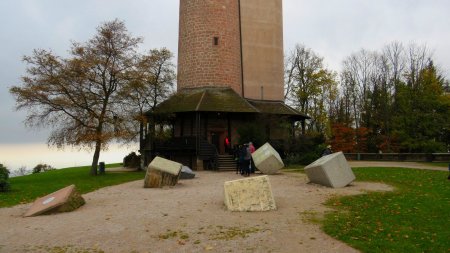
(222, 100)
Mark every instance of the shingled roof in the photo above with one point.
(276, 107)
(205, 100)
(221, 100)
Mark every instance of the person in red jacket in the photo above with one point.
(252, 164)
(251, 147)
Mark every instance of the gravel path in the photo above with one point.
(189, 217)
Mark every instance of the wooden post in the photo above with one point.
(303, 127)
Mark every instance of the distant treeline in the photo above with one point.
(391, 100)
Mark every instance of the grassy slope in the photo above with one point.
(437, 164)
(413, 218)
(27, 188)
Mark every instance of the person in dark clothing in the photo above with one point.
(327, 151)
(247, 160)
(236, 151)
(242, 154)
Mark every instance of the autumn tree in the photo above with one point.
(151, 82)
(382, 92)
(391, 99)
(78, 97)
(310, 87)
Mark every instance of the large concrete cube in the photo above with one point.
(64, 200)
(267, 160)
(252, 194)
(162, 172)
(331, 170)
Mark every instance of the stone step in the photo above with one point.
(226, 163)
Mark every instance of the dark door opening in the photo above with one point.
(215, 140)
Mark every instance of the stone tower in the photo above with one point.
(230, 78)
(232, 43)
(209, 51)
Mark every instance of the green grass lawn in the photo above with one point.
(437, 164)
(26, 189)
(413, 218)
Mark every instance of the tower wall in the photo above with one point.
(209, 44)
(262, 47)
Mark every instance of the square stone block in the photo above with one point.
(331, 170)
(162, 172)
(64, 200)
(267, 160)
(252, 194)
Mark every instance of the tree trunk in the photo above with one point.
(93, 171)
(99, 134)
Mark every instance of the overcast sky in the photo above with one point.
(332, 28)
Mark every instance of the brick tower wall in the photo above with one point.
(209, 44)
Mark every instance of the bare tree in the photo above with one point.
(359, 69)
(418, 58)
(290, 65)
(21, 171)
(369, 83)
(394, 53)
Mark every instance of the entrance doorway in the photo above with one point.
(218, 140)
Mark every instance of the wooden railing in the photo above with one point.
(185, 145)
(176, 144)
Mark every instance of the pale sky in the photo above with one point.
(332, 28)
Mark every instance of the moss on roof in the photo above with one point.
(179, 102)
(205, 100)
(222, 100)
(276, 107)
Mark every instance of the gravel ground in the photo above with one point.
(189, 217)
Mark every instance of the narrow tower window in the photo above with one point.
(216, 41)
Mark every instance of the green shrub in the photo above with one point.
(303, 159)
(4, 179)
(305, 149)
(132, 160)
(42, 168)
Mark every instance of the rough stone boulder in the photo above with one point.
(331, 170)
(267, 160)
(186, 173)
(64, 200)
(252, 194)
(162, 172)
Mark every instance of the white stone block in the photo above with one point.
(165, 165)
(331, 170)
(267, 160)
(253, 194)
(162, 172)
